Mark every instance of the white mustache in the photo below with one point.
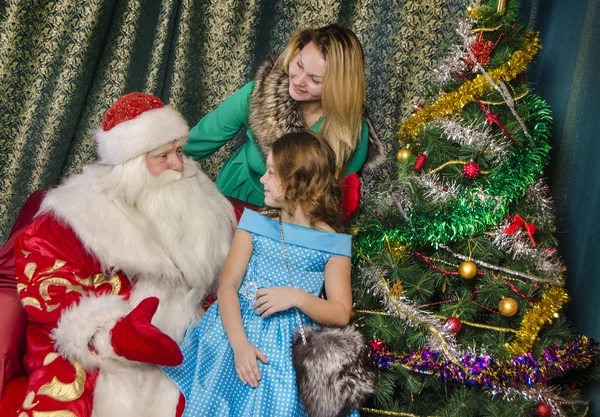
(170, 176)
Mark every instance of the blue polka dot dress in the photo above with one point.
(207, 375)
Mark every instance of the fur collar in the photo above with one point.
(273, 112)
(114, 234)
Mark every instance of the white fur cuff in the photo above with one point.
(88, 325)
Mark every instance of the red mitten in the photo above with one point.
(350, 195)
(136, 339)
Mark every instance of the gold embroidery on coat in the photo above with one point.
(65, 392)
(58, 282)
(28, 401)
(50, 358)
(32, 302)
(99, 279)
(21, 287)
(30, 269)
(59, 263)
(58, 413)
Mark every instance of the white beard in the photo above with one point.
(191, 220)
(152, 229)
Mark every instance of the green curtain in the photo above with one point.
(63, 63)
(566, 76)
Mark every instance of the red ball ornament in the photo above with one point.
(543, 410)
(453, 324)
(471, 170)
(420, 161)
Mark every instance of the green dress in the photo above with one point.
(240, 175)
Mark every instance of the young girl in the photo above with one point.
(238, 360)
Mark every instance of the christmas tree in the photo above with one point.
(458, 283)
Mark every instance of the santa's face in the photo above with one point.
(169, 157)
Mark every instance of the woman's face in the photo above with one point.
(307, 71)
(274, 191)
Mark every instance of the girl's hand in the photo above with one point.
(246, 364)
(275, 299)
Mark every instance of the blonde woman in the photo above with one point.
(317, 83)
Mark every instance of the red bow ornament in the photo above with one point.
(517, 223)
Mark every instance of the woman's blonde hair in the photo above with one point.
(343, 85)
(306, 167)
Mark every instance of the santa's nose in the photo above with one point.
(176, 163)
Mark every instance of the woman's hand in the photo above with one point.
(246, 363)
(276, 299)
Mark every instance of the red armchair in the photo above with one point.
(13, 320)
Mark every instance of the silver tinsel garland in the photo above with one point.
(493, 148)
(439, 338)
(552, 279)
(434, 190)
(450, 66)
(538, 395)
(519, 244)
(399, 197)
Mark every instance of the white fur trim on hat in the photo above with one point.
(148, 131)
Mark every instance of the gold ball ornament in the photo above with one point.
(403, 155)
(508, 307)
(467, 270)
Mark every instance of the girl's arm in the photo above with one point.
(229, 284)
(338, 306)
(335, 310)
(232, 275)
(220, 125)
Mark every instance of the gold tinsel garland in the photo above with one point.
(452, 103)
(540, 314)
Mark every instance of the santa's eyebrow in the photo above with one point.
(166, 148)
(160, 150)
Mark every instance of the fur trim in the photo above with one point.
(376, 152)
(135, 137)
(273, 113)
(109, 234)
(132, 391)
(333, 371)
(89, 323)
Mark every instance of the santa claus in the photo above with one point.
(115, 267)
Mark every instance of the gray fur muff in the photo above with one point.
(333, 371)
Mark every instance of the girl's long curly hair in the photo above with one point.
(306, 166)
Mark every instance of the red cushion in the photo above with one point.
(13, 320)
(14, 394)
(13, 323)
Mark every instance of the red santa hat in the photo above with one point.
(136, 124)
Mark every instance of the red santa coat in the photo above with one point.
(73, 305)
(54, 271)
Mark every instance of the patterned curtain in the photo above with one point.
(63, 63)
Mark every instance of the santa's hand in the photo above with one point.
(246, 363)
(136, 339)
(275, 299)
